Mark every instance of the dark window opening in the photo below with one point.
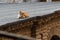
(55, 37)
(42, 0)
(25, 0)
(55, 0)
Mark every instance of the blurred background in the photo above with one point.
(20, 1)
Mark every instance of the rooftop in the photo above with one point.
(8, 12)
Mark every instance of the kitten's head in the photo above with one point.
(22, 12)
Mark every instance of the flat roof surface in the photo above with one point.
(8, 12)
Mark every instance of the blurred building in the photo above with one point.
(20, 1)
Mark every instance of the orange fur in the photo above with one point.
(23, 14)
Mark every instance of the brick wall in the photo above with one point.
(47, 31)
